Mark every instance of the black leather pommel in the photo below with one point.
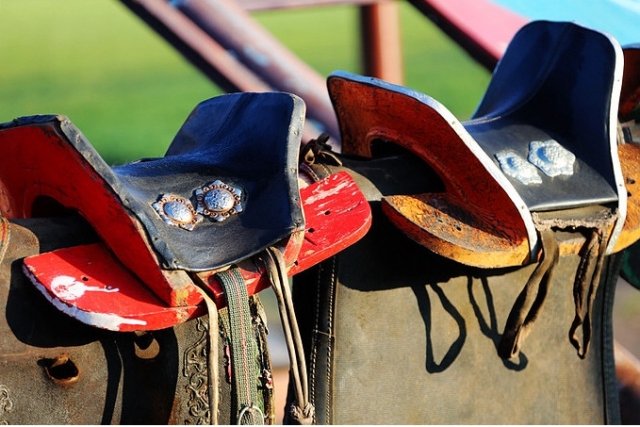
(241, 145)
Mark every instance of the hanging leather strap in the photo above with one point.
(212, 360)
(530, 301)
(584, 290)
(301, 410)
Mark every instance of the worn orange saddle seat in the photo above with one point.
(539, 155)
(226, 190)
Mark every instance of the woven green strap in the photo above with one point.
(244, 349)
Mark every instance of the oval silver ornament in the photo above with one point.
(177, 211)
(218, 200)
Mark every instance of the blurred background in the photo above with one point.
(129, 91)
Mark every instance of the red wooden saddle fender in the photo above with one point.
(226, 189)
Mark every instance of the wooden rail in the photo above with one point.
(223, 40)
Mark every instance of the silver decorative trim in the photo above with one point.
(551, 157)
(517, 167)
(218, 200)
(177, 211)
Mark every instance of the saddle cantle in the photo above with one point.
(539, 154)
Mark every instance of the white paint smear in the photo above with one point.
(109, 321)
(69, 289)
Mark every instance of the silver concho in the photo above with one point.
(218, 200)
(551, 157)
(515, 166)
(177, 211)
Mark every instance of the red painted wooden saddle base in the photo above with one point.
(91, 285)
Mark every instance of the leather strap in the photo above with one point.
(244, 350)
(586, 281)
(212, 357)
(584, 290)
(301, 411)
(530, 301)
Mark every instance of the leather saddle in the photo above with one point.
(223, 215)
(226, 189)
(483, 222)
(540, 153)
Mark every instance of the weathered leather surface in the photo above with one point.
(120, 378)
(246, 140)
(558, 78)
(398, 335)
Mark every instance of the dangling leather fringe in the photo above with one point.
(530, 301)
(584, 290)
(585, 286)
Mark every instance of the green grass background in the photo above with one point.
(129, 91)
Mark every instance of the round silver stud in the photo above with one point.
(177, 211)
(218, 200)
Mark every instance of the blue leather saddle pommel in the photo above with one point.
(226, 189)
(555, 93)
(259, 174)
(558, 82)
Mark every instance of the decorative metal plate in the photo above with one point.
(517, 167)
(218, 200)
(177, 211)
(551, 157)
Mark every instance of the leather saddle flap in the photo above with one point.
(89, 284)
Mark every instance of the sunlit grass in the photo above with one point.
(129, 91)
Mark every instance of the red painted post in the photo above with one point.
(381, 41)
